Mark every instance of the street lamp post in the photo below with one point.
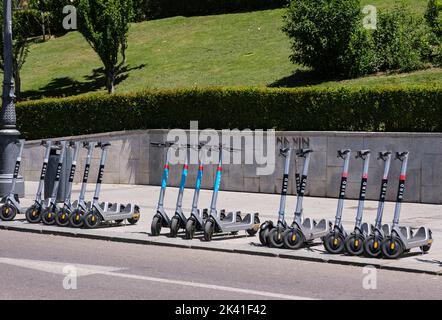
(8, 131)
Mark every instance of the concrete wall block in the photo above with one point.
(432, 170)
(430, 194)
(251, 184)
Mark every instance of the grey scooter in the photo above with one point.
(399, 239)
(103, 212)
(334, 241)
(354, 243)
(304, 231)
(62, 217)
(33, 213)
(80, 207)
(50, 211)
(10, 205)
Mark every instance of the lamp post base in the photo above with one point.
(8, 156)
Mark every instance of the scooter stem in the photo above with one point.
(345, 155)
(21, 144)
(179, 202)
(365, 156)
(76, 146)
(219, 171)
(403, 157)
(286, 153)
(103, 147)
(48, 146)
(90, 149)
(386, 157)
(306, 154)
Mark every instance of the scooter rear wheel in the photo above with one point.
(136, 216)
(392, 247)
(253, 231)
(156, 225)
(190, 228)
(8, 212)
(62, 217)
(209, 229)
(174, 227)
(372, 246)
(76, 218)
(354, 244)
(334, 243)
(48, 216)
(33, 214)
(92, 220)
(275, 238)
(293, 238)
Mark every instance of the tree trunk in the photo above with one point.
(110, 79)
(17, 83)
(43, 26)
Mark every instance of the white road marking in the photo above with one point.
(85, 270)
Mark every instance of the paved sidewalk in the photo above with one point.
(413, 215)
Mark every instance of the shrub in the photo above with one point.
(402, 41)
(322, 32)
(434, 16)
(415, 108)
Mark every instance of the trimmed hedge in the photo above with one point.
(154, 9)
(414, 108)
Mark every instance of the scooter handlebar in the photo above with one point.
(303, 152)
(383, 155)
(102, 145)
(342, 153)
(401, 155)
(363, 153)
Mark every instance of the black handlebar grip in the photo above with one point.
(383, 155)
(401, 155)
(343, 152)
(102, 145)
(363, 153)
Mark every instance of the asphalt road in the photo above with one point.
(34, 266)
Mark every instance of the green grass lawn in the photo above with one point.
(246, 49)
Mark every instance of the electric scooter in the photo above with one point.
(232, 223)
(197, 216)
(33, 213)
(334, 241)
(179, 220)
(62, 217)
(399, 241)
(80, 207)
(372, 244)
(267, 226)
(103, 212)
(304, 231)
(354, 243)
(50, 211)
(10, 205)
(161, 219)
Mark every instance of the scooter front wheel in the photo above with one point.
(76, 218)
(8, 212)
(334, 243)
(92, 220)
(174, 227)
(392, 247)
(354, 244)
(293, 238)
(156, 225)
(209, 229)
(275, 238)
(190, 228)
(33, 214)
(372, 246)
(48, 216)
(264, 235)
(62, 217)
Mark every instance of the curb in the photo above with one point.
(199, 247)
